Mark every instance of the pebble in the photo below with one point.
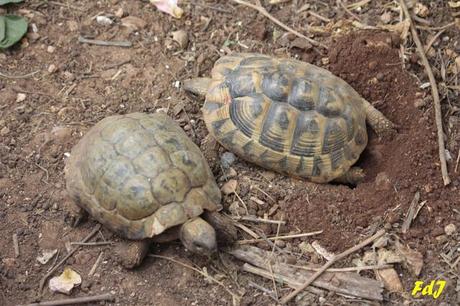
(280, 243)
(5, 131)
(227, 159)
(450, 229)
(52, 68)
(51, 49)
(20, 97)
(419, 103)
(229, 187)
(382, 181)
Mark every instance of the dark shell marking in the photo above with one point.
(140, 174)
(286, 115)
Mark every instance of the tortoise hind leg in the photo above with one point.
(353, 176)
(131, 253)
(379, 123)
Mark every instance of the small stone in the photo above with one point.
(450, 229)
(419, 103)
(229, 187)
(104, 20)
(372, 64)
(181, 38)
(280, 243)
(385, 17)
(51, 49)
(133, 23)
(20, 97)
(227, 159)
(33, 37)
(301, 44)
(306, 247)
(4, 131)
(231, 173)
(234, 208)
(382, 181)
(52, 68)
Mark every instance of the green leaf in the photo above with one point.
(2, 27)
(2, 2)
(14, 28)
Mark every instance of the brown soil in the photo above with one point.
(93, 82)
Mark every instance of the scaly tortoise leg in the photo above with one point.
(378, 122)
(353, 176)
(131, 253)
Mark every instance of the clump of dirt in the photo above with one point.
(395, 169)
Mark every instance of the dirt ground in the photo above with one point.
(44, 115)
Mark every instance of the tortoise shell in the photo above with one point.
(139, 175)
(285, 115)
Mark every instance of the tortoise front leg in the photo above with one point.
(131, 253)
(378, 122)
(353, 176)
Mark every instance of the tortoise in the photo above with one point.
(288, 116)
(143, 178)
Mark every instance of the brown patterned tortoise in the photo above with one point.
(143, 178)
(288, 116)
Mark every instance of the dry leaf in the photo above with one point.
(181, 38)
(402, 28)
(65, 282)
(133, 23)
(229, 187)
(412, 259)
(421, 10)
(387, 257)
(168, 6)
(46, 256)
(390, 279)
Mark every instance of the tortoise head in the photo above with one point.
(198, 237)
(197, 86)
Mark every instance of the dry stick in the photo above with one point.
(97, 243)
(434, 92)
(97, 42)
(411, 213)
(264, 12)
(431, 42)
(63, 260)
(347, 269)
(248, 241)
(24, 76)
(344, 254)
(96, 264)
(16, 245)
(198, 271)
(259, 220)
(78, 300)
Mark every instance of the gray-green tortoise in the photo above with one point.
(288, 116)
(142, 177)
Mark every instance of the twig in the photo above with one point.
(97, 42)
(330, 263)
(248, 241)
(24, 76)
(259, 220)
(348, 11)
(63, 260)
(96, 264)
(347, 269)
(97, 243)
(457, 161)
(16, 245)
(44, 170)
(206, 275)
(410, 213)
(263, 289)
(264, 12)
(322, 18)
(434, 92)
(435, 28)
(247, 230)
(78, 300)
(431, 42)
(116, 65)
